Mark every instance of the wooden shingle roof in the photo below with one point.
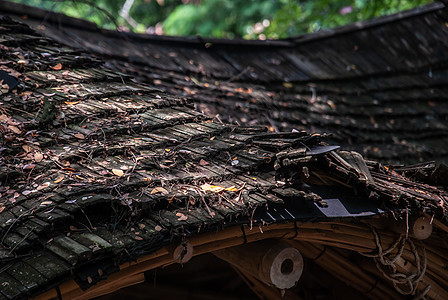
(98, 171)
(378, 86)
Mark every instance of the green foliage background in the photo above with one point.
(250, 19)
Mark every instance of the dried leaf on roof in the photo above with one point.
(117, 172)
(57, 67)
(159, 189)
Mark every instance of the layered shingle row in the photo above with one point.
(377, 86)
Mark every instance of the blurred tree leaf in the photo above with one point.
(250, 19)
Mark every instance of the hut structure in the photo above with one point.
(104, 179)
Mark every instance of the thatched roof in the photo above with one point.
(98, 171)
(378, 86)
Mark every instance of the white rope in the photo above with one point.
(405, 284)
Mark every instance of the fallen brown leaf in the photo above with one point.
(57, 67)
(72, 102)
(27, 148)
(212, 188)
(117, 172)
(14, 129)
(29, 166)
(159, 190)
(203, 162)
(59, 179)
(79, 136)
(181, 216)
(231, 189)
(38, 156)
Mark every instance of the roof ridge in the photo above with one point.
(197, 40)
